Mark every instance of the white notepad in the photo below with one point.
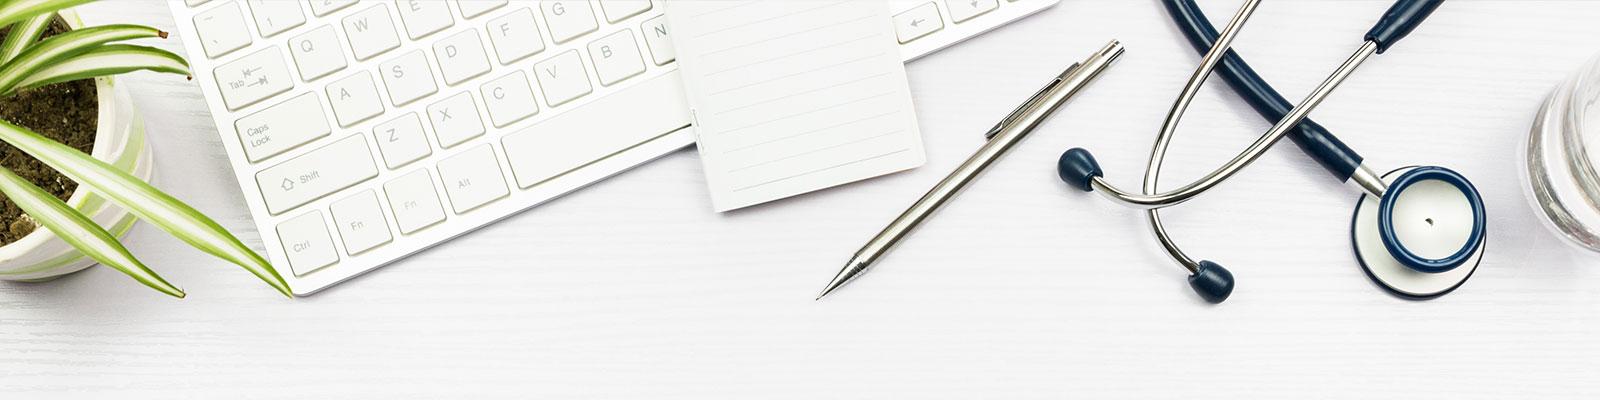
(793, 96)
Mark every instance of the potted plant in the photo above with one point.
(74, 159)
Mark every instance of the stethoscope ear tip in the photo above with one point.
(1212, 282)
(1078, 168)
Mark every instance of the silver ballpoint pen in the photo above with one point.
(1001, 138)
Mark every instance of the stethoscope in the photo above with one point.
(1418, 232)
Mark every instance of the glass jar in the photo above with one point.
(1561, 154)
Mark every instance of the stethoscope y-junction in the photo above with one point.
(1418, 232)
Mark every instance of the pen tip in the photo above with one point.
(851, 269)
(825, 292)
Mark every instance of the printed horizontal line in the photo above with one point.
(821, 170)
(798, 12)
(801, 134)
(815, 151)
(806, 112)
(795, 54)
(735, 6)
(787, 35)
(832, 86)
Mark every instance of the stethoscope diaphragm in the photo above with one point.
(1432, 239)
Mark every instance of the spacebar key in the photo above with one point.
(597, 130)
(317, 173)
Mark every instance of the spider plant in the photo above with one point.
(26, 61)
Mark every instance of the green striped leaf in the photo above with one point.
(111, 59)
(149, 203)
(58, 48)
(79, 231)
(23, 34)
(12, 11)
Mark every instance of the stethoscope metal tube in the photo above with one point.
(1210, 280)
(1244, 158)
(1159, 152)
(1400, 19)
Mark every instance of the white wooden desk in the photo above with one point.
(1022, 288)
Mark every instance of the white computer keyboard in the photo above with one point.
(364, 131)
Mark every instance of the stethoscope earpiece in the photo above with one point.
(1077, 167)
(1211, 281)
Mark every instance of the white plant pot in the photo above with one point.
(119, 140)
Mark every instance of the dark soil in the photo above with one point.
(66, 112)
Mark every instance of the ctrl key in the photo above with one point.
(306, 242)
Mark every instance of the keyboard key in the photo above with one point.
(221, 30)
(618, 10)
(192, 3)
(370, 32)
(275, 16)
(401, 141)
(324, 7)
(305, 241)
(632, 115)
(616, 57)
(655, 37)
(282, 127)
(917, 22)
(455, 120)
(568, 19)
(562, 78)
(472, 178)
(473, 8)
(355, 98)
(316, 174)
(461, 57)
(509, 99)
(963, 10)
(423, 17)
(414, 201)
(317, 53)
(360, 222)
(252, 78)
(408, 78)
(515, 36)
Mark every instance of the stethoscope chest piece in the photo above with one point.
(1424, 237)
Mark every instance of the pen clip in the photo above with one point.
(1029, 104)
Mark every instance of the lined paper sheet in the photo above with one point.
(793, 96)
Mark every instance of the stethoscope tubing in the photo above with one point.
(1251, 153)
(1338, 158)
(1321, 144)
(1401, 18)
(1213, 56)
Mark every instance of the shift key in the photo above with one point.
(317, 173)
